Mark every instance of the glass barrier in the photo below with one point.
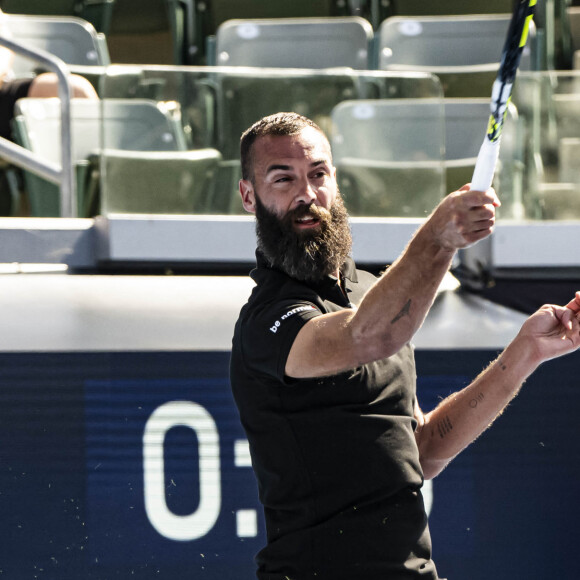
(170, 136)
(164, 140)
(545, 170)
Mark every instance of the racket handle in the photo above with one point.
(485, 165)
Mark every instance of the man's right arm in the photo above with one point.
(396, 305)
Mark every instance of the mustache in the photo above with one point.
(310, 210)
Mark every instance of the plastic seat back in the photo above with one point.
(73, 40)
(295, 43)
(389, 155)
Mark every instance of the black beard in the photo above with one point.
(307, 255)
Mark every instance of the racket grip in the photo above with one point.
(485, 165)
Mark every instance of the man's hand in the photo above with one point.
(463, 218)
(553, 331)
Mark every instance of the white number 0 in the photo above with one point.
(202, 520)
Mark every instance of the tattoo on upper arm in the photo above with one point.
(444, 427)
(404, 312)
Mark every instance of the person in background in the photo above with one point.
(323, 374)
(44, 85)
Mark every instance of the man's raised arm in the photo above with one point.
(395, 307)
(550, 332)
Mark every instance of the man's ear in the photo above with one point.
(248, 195)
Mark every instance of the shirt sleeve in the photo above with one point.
(269, 332)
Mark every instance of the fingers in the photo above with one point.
(481, 197)
(574, 304)
(476, 213)
(464, 217)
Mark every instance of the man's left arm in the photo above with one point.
(441, 434)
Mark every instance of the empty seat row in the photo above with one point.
(397, 144)
(194, 21)
(451, 47)
(130, 156)
(395, 157)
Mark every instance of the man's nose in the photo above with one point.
(306, 193)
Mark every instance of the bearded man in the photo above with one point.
(323, 374)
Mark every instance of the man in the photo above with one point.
(323, 374)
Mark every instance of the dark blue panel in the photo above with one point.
(72, 486)
(506, 508)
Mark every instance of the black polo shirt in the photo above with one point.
(335, 457)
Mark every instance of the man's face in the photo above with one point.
(290, 171)
(302, 225)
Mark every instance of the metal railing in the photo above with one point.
(62, 175)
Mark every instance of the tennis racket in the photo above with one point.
(501, 93)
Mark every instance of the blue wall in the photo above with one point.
(72, 491)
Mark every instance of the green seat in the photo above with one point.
(36, 127)
(389, 156)
(97, 12)
(195, 22)
(159, 182)
(139, 133)
(245, 97)
(73, 40)
(295, 43)
(559, 201)
(388, 189)
(464, 51)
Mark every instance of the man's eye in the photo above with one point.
(282, 179)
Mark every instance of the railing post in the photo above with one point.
(63, 176)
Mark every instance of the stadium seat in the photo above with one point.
(566, 113)
(97, 12)
(389, 155)
(246, 96)
(464, 51)
(381, 147)
(559, 201)
(159, 182)
(73, 40)
(195, 22)
(139, 145)
(295, 43)
(569, 157)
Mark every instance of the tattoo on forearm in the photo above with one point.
(476, 400)
(444, 427)
(404, 312)
(502, 365)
